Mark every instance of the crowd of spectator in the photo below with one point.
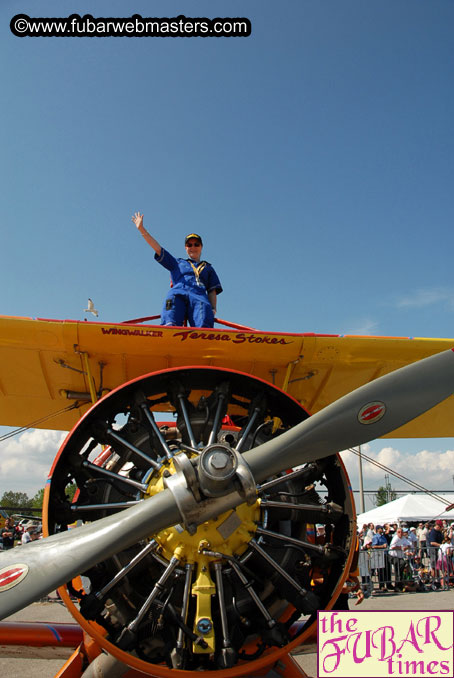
(15, 534)
(406, 556)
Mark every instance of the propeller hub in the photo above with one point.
(216, 469)
(218, 461)
(230, 531)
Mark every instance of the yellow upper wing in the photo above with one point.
(45, 365)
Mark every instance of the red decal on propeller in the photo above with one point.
(371, 412)
(12, 575)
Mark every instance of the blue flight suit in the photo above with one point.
(188, 296)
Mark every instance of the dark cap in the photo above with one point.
(193, 235)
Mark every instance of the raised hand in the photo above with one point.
(137, 218)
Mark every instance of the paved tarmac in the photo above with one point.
(52, 612)
(57, 613)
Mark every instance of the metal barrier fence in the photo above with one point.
(419, 570)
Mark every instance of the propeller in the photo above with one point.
(33, 570)
(370, 411)
(367, 413)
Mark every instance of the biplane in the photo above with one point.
(198, 464)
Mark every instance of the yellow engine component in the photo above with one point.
(204, 588)
(228, 534)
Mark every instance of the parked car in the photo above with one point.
(24, 522)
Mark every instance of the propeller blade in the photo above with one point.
(33, 570)
(369, 412)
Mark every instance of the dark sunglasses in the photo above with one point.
(193, 244)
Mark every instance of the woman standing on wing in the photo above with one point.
(194, 283)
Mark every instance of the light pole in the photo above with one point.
(361, 488)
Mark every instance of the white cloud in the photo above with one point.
(433, 470)
(26, 459)
(363, 327)
(427, 297)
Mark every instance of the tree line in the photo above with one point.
(11, 501)
(21, 500)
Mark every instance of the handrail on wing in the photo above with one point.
(219, 321)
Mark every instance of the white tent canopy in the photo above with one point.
(409, 508)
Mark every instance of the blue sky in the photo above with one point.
(315, 157)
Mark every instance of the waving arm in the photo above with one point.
(137, 218)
